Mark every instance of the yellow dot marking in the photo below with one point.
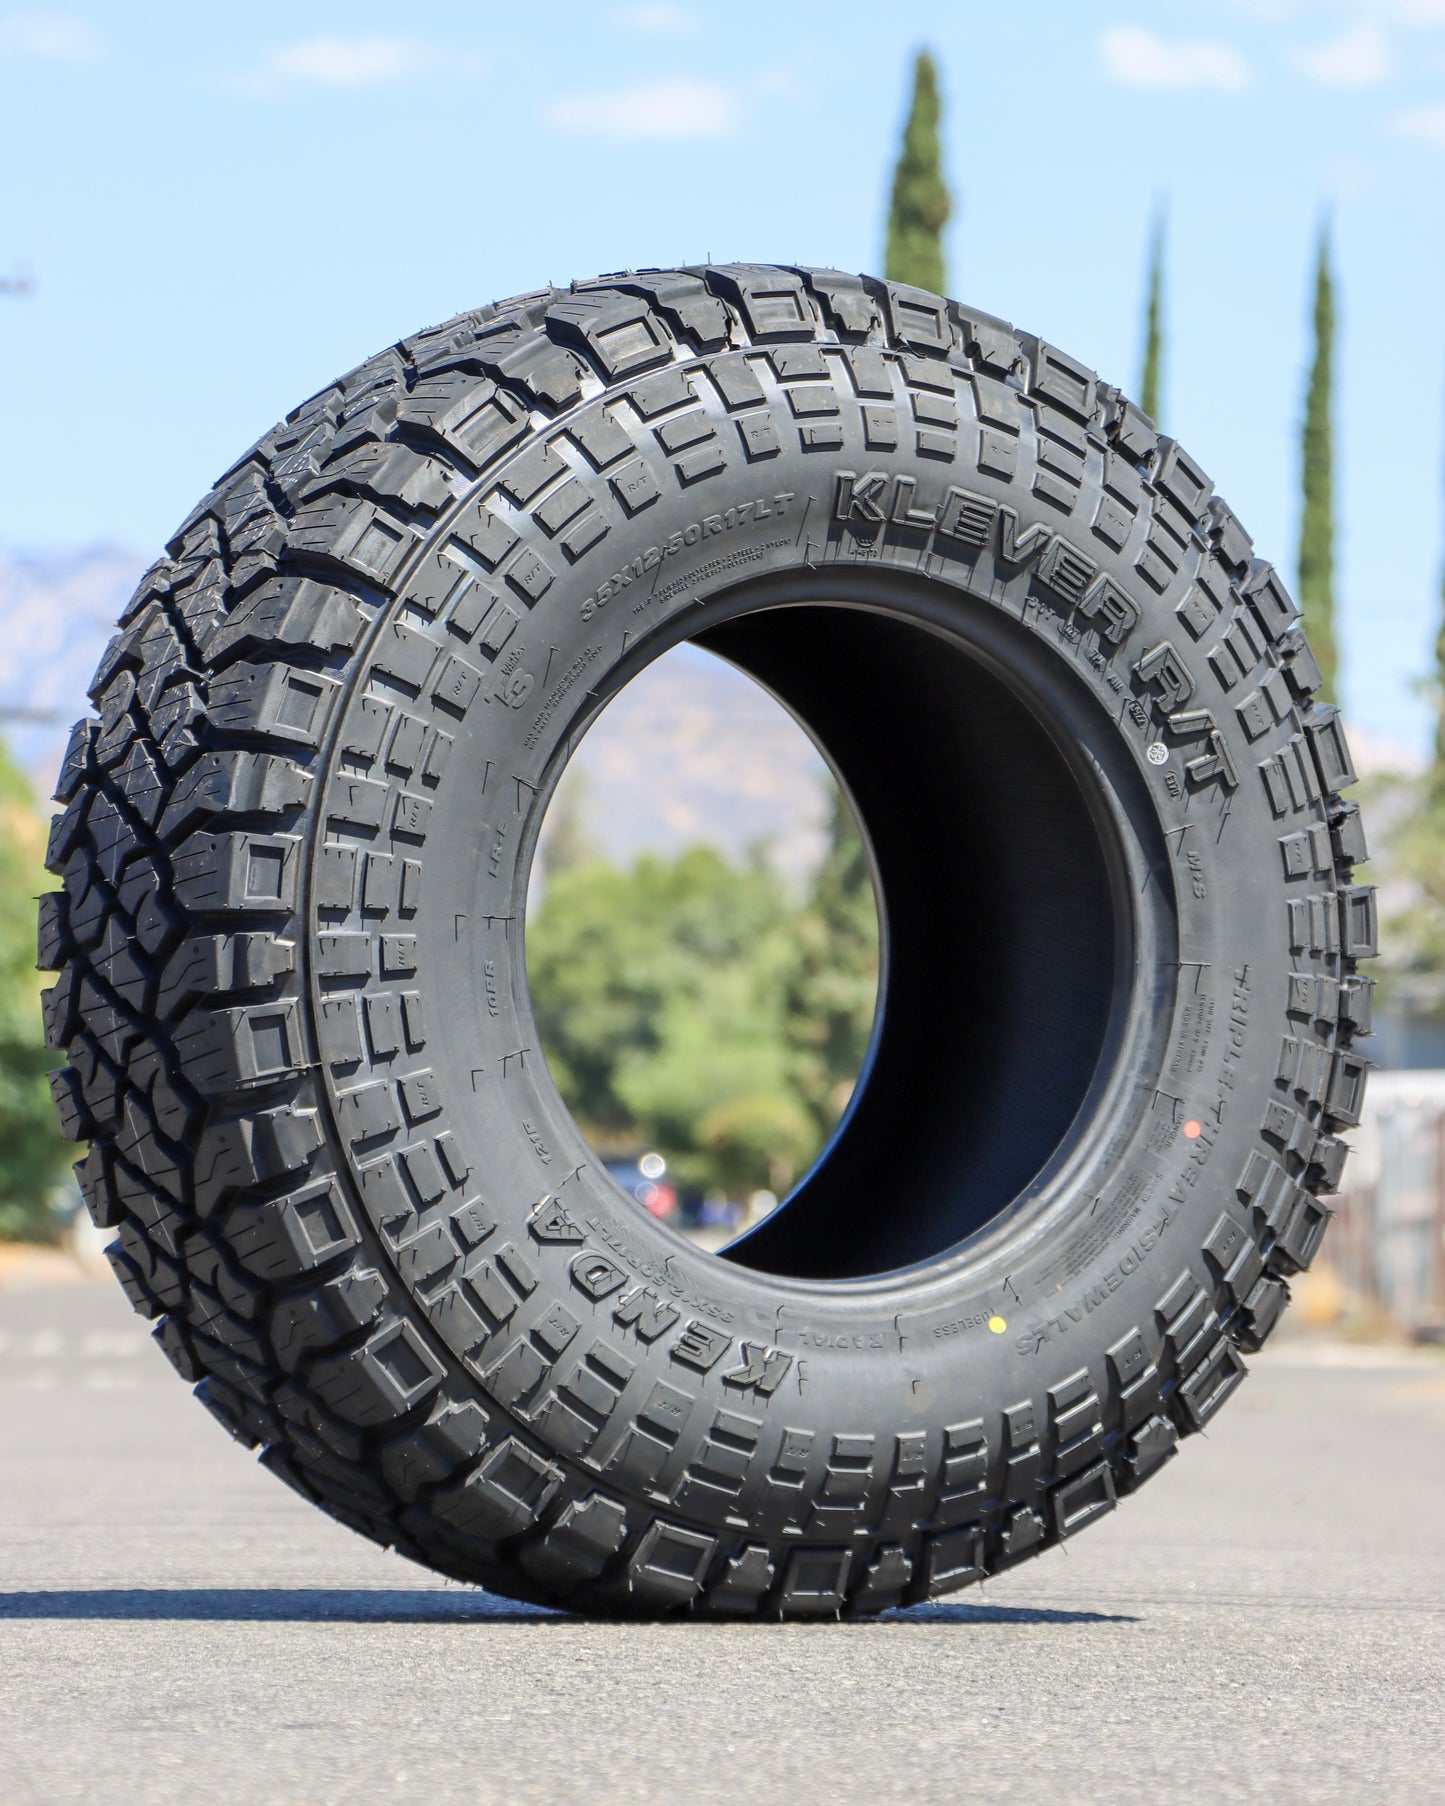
(997, 1325)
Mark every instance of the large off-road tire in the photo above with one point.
(1120, 938)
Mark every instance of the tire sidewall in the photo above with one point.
(472, 1092)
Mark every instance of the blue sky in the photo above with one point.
(223, 207)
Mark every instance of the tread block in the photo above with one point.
(476, 421)
(232, 1155)
(67, 1094)
(1023, 1531)
(246, 873)
(1300, 664)
(1270, 600)
(1267, 1186)
(171, 1338)
(846, 301)
(234, 783)
(1260, 1312)
(1133, 431)
(368, 1111)
(452, 1435)
(1210, 1383)
(505, 1496)
(579, 1545)
(1345, 1097)
(1240, 649)
(598, 433)
(284, 1237)
(1359, 926)
(1298, 1241)
(737, 382)
(619, 330)
(683, 301)
(1332, 754)
(381, 1380)
(73, 764)
(954, 1560)
(304, 1322)
(228, 1050)
(1347, 831)
(916, 318)
(238, 1416)
(885, 1580)
(816, 1582)
(96, 1180)
(669, 389)
(1357, 1003)
(1148, 1450)
(1068, 384)
(1329, 1161)
(272, 701)
(1086, 1497)
(669, 1563)
(992, 344)
(1233, 545)
(773, 302)
(1135, 1375)
(1181, 479)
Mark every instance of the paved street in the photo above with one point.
(1266, 1622)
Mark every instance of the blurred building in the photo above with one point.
(1387, 1243)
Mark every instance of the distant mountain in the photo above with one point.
(692, 750)
(57, 611)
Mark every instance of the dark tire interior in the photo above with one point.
(1006, 950)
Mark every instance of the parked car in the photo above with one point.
(646, 1180)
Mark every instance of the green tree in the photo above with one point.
(834, 981)
(1151, 371)
(713, 1091)
(692, 1005)
(920, 205)
(1317, 516)
(657, 990)
(32, 1155)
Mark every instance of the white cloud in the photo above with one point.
(1386, 12)
(1325, 13)
(1409, 12)
(1141, 59)
(48, 37)
(1357, 58)
(342, 62)
(1425, 125)
(683, 107)
(660, 19)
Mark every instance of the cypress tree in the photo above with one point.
(1317, 516)
(1437, 764)
(1151, 374)
(921, 205)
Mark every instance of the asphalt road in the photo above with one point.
(1265, 1622)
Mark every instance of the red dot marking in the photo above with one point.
(1191, 1129)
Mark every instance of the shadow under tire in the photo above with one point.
(1078, 722)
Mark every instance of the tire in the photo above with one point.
(1076, 718)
